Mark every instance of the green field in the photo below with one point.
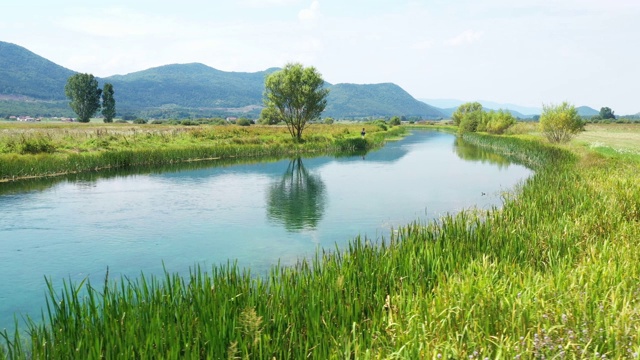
(32, 150)
(553, 274)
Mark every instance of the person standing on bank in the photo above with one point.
(363, 133)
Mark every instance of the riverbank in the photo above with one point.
(45, 150)
(553, 273)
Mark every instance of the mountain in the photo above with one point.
(516, 110)
(188, 86)
(377, 100)
(586, 111)
(24, 74)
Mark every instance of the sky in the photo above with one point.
(524, 52)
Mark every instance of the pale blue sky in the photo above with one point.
(526, 52)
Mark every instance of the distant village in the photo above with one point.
(38, 119)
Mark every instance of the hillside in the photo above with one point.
(586, 111)
(33, 85)
(24, 74)
(355, 101)
(188, 86)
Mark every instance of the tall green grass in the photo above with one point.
(42, 152)
(553, 273)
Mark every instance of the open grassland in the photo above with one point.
(621, 138)
(39, 150)
(553, 274)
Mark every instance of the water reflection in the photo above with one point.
(88, 179)
(470, 152)
(298, 199)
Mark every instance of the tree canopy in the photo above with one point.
(560, 122)
(108, 103)
(297, 94)
(466, 110)
(83, 91)
(606, 113)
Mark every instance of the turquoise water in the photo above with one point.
(208, 214)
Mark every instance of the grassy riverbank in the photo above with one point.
(41, 150)
(553, 274)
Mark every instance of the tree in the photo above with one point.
(560, 122)
(269, 116)
(499, 121)
(83, 91)
(606, 113)
(108, 103)
(395, 121)
(297, 94)
(464, 110)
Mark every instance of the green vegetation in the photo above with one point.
(552, 274)
(559, 123)
(25, 74)
(28, 151)
(83, 91)
(471, 117)
(297, 95)
(108, 103)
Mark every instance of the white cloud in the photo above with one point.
(466, 37)
(311, 14)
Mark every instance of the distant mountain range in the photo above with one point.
(448, 106)
(32, 85)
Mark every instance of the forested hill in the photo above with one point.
(351, 100)
(182, 90)
(188, 86)
(25, 74)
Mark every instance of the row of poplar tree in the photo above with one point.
(87, 98)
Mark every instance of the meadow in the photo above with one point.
(51, 149)
(552, 274)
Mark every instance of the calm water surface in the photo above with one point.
(258, 214)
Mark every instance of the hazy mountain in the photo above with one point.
(586, 111)
(516, 110)
(356, 101)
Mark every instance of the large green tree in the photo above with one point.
(607, 113)
(560, 122)
(298, 95)
(470, 110)
(108, 103)
(83, 91)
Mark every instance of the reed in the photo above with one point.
(551, 274)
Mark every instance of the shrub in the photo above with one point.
(499, 121)
(560, 122)
(139, 121)
(243, 122)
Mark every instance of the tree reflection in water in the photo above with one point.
(298, 199)
(470, 152)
